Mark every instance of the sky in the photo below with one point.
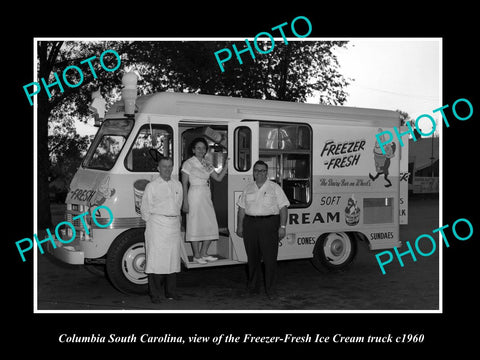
(387, 73)
(391, 74)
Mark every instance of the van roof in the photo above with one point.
(213, 107)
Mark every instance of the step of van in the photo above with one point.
(220, 262)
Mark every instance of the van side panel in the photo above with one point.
(355, 188)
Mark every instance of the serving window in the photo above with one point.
(287, 150)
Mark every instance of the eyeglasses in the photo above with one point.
(259, 171)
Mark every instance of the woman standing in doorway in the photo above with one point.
(202, 226)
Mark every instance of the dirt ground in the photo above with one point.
(301, 287)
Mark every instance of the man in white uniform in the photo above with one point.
(161, 204)
(261, 221)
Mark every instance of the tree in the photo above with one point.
(66, 151)
(54, 57)
(290, 72)
(405, 118)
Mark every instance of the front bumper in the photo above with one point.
(66, 253)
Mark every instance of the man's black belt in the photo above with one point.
(260, 216)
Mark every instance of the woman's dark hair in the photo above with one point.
(196, 141)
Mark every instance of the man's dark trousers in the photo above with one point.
(260, 236)
(156, 282)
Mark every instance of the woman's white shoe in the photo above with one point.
(199, 260)
(210, 258)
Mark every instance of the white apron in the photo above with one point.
(162, 244)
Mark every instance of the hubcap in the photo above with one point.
(337, 248)
(133, 264)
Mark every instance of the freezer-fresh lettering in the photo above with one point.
(332, 148)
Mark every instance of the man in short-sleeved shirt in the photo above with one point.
(261, 221)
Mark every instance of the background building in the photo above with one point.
(423, 165)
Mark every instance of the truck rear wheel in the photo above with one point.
(125, 264)
(334, 251)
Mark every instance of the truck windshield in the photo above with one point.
(108, 144)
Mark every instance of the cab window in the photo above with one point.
(108, 144)
(154, 136)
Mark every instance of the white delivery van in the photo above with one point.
(325, 158)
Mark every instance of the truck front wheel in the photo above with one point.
(334, 251)
(125, 264)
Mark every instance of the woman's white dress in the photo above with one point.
(201, 219)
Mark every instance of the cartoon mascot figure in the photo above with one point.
(382, 161)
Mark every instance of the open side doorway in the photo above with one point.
(217, 137)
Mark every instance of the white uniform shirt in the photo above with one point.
(162, 198)
(266, 200)
(198, 171)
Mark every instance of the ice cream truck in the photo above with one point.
(343, 190)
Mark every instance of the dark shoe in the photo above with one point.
(174, 297)
(156, 300)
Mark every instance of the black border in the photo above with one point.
(456, 25)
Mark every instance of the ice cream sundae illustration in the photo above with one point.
(352, 212)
